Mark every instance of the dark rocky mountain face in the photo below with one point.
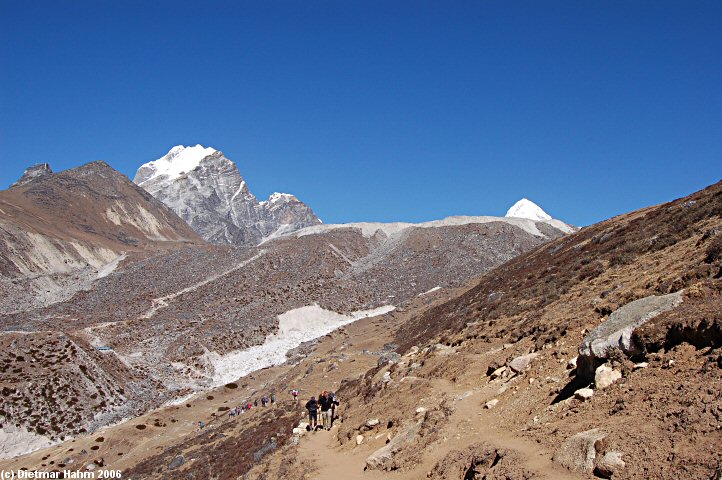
(207, 191)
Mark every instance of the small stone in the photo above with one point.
(359, 439)
(531, 381)
(491, 403)
(420, 410)
(497, 373)
(90, 467)
(572, 363)
(610, 464)
(386, 378)
(371, 423)
(584, 394)
(519, 364)
(605, 376)
(637, 366)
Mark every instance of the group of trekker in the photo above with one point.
(247, 406)
(327, 403)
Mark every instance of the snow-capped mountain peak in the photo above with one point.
(180, 159)
(205, 189)
(525, 208)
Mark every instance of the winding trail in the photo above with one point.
(332, 461)
(162, 302)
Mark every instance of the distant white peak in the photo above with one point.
(527, 209)
(179, 160)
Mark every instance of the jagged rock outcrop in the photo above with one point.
(206, 190)
(31, 173)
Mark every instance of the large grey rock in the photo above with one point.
(578, 451)
(519, 364)
(215, 201)
(382, 458)
(616, 331)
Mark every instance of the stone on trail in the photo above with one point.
(382, 458)
(616, 331)
(519, 364)
(491, 403)
(584, 394)
(605, 376)
(578, 451)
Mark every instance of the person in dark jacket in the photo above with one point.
(312, 407)
(334, 404)
(325, 401)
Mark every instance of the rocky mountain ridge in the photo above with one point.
(206, 189)
(59, 229)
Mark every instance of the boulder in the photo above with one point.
(388, 358)
(371, 423)
(382, 459)
(609, 464)
(519, 364)
(177, 462)
(605, 375)
(584, 394)
(617, 330)
(578, 451)
(441, 349)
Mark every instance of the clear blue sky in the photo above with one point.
(379, 110)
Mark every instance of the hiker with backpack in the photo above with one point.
(325, 401)
(312, 407)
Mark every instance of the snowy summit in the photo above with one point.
(527, 209)
(178, 160)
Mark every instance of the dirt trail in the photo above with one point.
(331, 461)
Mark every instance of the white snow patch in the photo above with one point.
(16, 441)
(525, 208)
(294, 327)
(280, 197)
(429, 291)
(177, 161)
(240, 188)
